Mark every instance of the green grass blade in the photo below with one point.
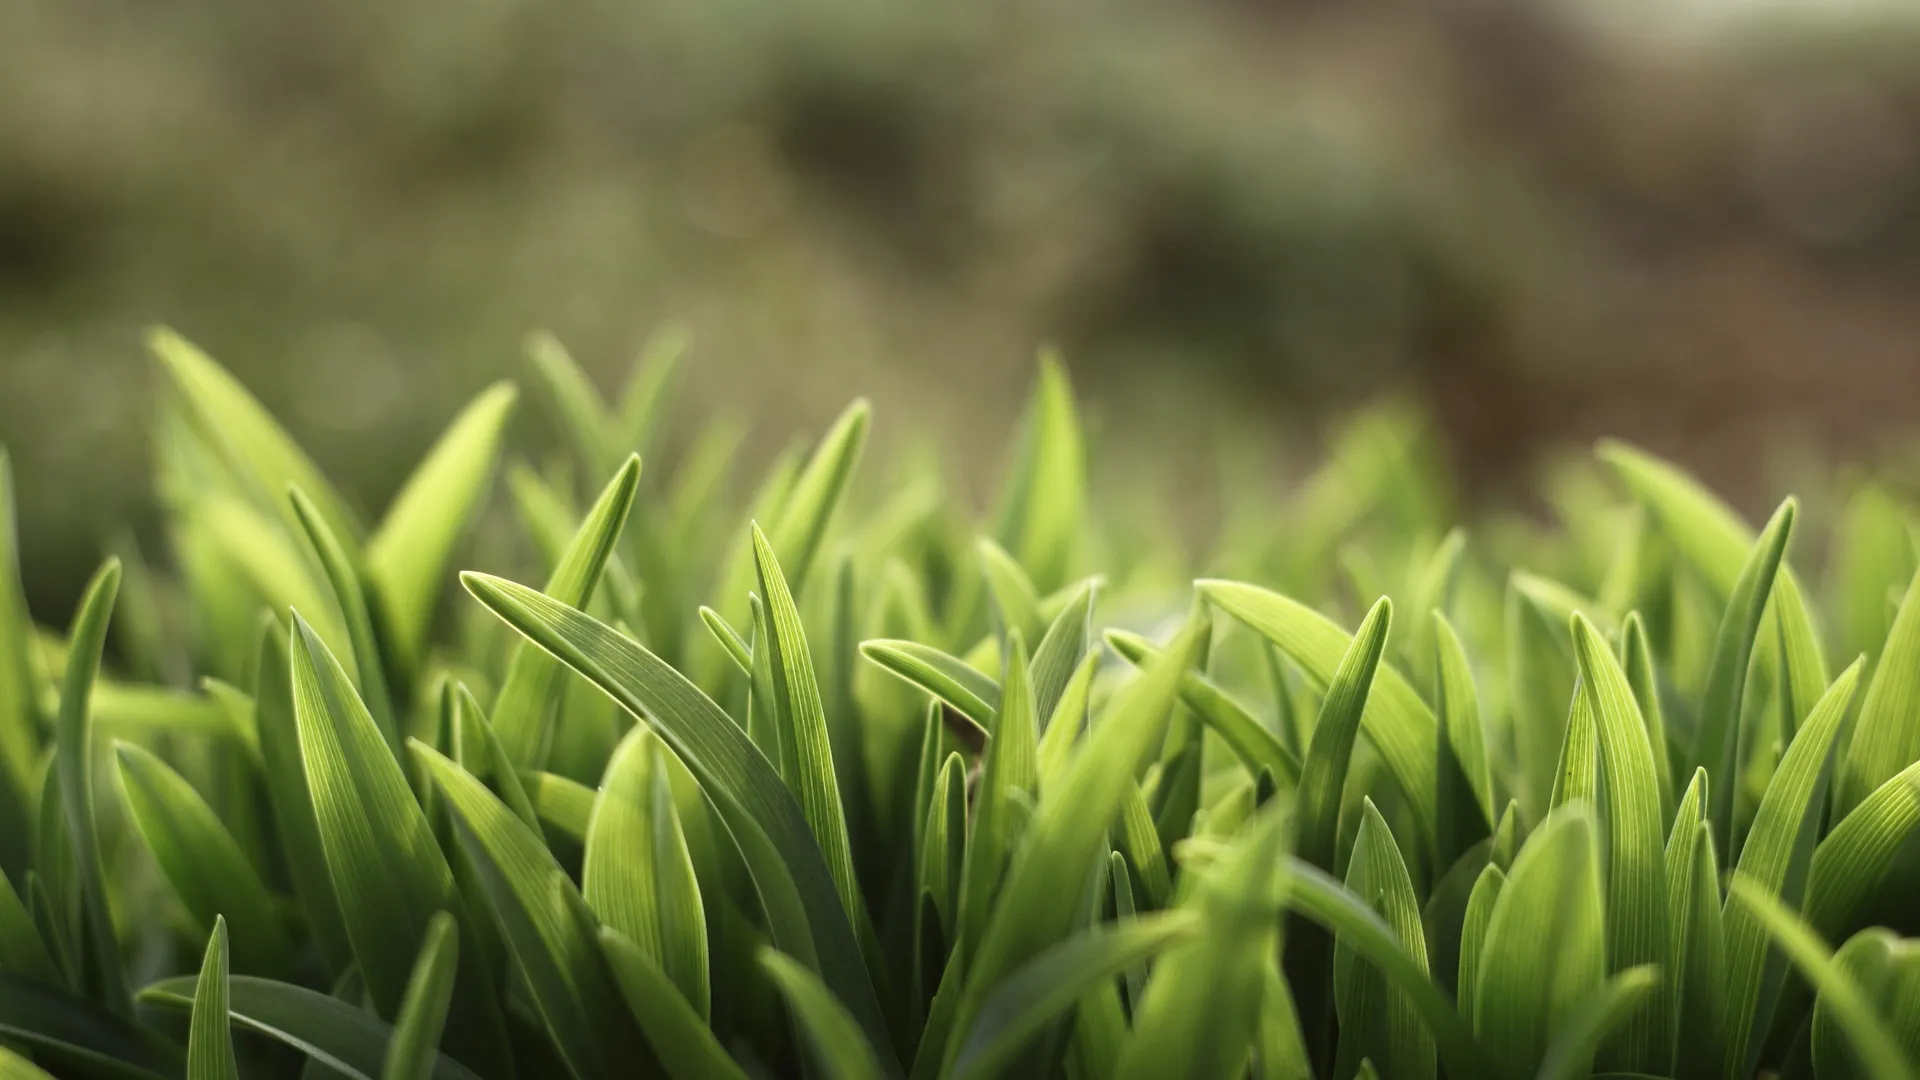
(543, 920)
(1473, 935)
(73, 740)
(943, 846)
(269, 556)
(388, 873)
(796, 696)
(1013, 593)
(1634, 844)
(1775, 859)
(1879, 1052)
(1010, 764)
(766, 821)
(1061, 651)
(250, 441)
(579, 408)
(679, 1037)
(817, 492)
(1068, 721)
(729, 639)
(1883, 742)
(407, 556)
(1282, 1052)
(1851, 864)
(649, 386)
(945, 676)
(840, 1048)
(210, 1038)
(350, 596)
(1636, 659)
(561, 804)
(22, 950)
(1050, 984)
(1718, 745)
(1249, 739)
(1697, 985)
(1323, 776)
(1377, 1021)
(1043, 498)
(1545, 946)
(15, 1067)
(1398, 724)
(523, 711)
(201, 861)
(1459, 713)
(80, 1037)
(1873, 553)
(333, 1033)
(1594, 1021)
(1323, 899)
(414, 1049)
(1888, 971)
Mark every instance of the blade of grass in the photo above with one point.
(73, 740)
(350, 596)
(1043, 498)
(413, 1051)
(209, 1039)
(1592, 1023)
(840, 1047)
(1882, 745)
(941, 674)
(678, 1035)
(1249, 739)
(1010, 764)
(1377, 1021)
(817, 492)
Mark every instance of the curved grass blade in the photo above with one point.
(1459, 714)
(1636, 659)
(1061, 651)
(1013, 593)
(1375, 1020)
(1043, 498)
(647, 392)
(1634, 842)
(388, 873)
(1888, 972)
(1696, 985)
(1040, 900)
(637, 870)
(578, 406)
(73, 760)
(817, 492)
(1718, 744)
(563, 805)
(407, 556)
(1473, 935)
(334, 1033)
(1009, 765)
(1052, 983)
(1323, 776)
(209, 1038)
(943, 848)
(1775, 859)
(350, 597)
(543, 920)
(791, 875)
(941, 674)
(1883, 743)
(1396, 721)
(1069, 719)
(839, 1046)
(1282, 1052)
(729, 639)
(1873, 553)
(1318, 896)
(201, 861)
(1853, 861)
(1249, 739)
(70, 1032)
(414, 1049)
(1879, 1052)
(1140, 843)
(1594, 1021)
(523, 711)
(1545, 946)
(678, 1035)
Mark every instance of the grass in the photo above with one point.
(838, 783)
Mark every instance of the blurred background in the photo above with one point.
(1692, 223)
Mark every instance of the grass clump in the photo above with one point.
(843, 785)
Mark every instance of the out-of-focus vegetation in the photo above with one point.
(1691, 224)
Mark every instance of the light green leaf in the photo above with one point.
(1400, 726)
(1634, 843)
(943, 847)
(1069, 719)
(388, 873)
(1376, 1021)
(524, 709)
(1887, 970)
(408, 555)
(679, 1036)
(209, 1039)
(1879, 1053)
(1139, 841)
(729, 639)
(1853, 861)
(941, 674)
(413, 1051)
(561, 804)
(1883, 743)
(579, 408)
(1323, 777)
(817, 492)
(270, 558)
(840, 1048)
(1459, 713)
(350, 596)
(1013, 592)
(1249, 739)
(1696, 988)
(15, 1067)
(1636, 659)
(1010, 764)
(1060, 652)
(199, 858)
(1872, 553)
(1043, 989)
(335, 1034)
(73, 740)
(1043, 498)
(646, 394)
(1595, 1020)
(1282, 1052)
(1775, 859)
(1473, 934)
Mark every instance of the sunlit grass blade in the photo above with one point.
(817, 492)
(1775, 859)
(1013, 592)
(408, 554)
(637, 876)
(1323, 776)
(1879, 1053)
(270, 558)
(335, 1034)
(1696, 982)
(1010, 765)
(1377, 1021)
(1473, 935)
(1459, 714)
(1636, 659)
(789, 871)
(209, 1037)
(840, 1048)
(1594, 1020)
(250, 441)
(388, 873)
(680, 1038)
(199, 858)
(1398, 724)
(943, 841)
(1061, 651)
(80, 1037)
(1883, 740)
(524, 709)
(1043, 498)
(104, 977)
(974, 693)
(729, 639)
(1853, 862)
(1252, 742)
(582, 412)
(1887, 970)
(414, 1049)
(1545, 946)
(350, 597)
(561, 804)
(1634, 842)
(1052, 983)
